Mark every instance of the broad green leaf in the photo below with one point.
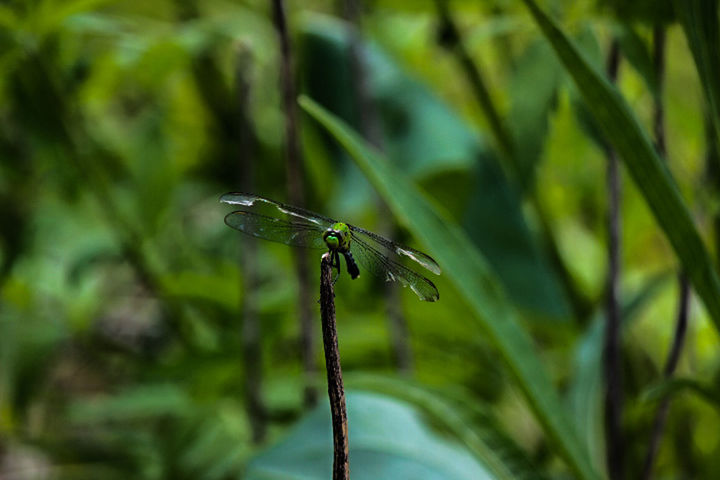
(508, 247)
(484, 437)
(388, 439)
(419, 132)
(475, 282)
(647, 169)
(699, 19)
(426, 139)
(533, 90)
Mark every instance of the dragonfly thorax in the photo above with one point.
(337, 237)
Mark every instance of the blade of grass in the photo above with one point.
(674, 386)
(651, 176)
(475, 281)
(612, 350)
(699, 19)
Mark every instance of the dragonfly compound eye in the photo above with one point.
(332, 240)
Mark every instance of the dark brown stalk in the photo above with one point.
(670, 366)
(612, 351)
(450, 38)
(336, 391)
(251, 335)
(296, 196)
(370, 129)
(684, 286)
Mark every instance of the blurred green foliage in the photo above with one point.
(122, 294)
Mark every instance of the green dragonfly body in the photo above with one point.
(337, 238)
(373, 252)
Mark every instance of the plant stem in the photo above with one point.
(612, 358)
(251, 334)
(670, 366)
(684, 285)
(296, 196)
(336, 392)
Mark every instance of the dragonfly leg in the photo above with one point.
(335, 262)
(352, 267)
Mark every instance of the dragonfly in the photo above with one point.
(303, 228)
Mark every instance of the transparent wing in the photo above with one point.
(380, 265)
(277, 230)
(249, 200)
(373, 238)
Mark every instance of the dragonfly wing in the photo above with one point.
(249, 200)
(380, 265)
(416, 255)
(277, 230)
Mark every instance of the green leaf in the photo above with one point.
(418, 130)
(388, 439)
(484, 438)
(699, 19)
(647, 169)
(426, 139)
(533, 90)
(474, 280)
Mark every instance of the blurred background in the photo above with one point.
(140, 337)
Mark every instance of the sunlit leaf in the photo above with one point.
(533, 90)
(637, 52)
(649, 172)
(699, 19)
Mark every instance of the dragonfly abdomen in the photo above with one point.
(352, 267)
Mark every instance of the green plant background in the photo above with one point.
(121, 292)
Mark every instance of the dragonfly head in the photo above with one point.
(337, 237)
